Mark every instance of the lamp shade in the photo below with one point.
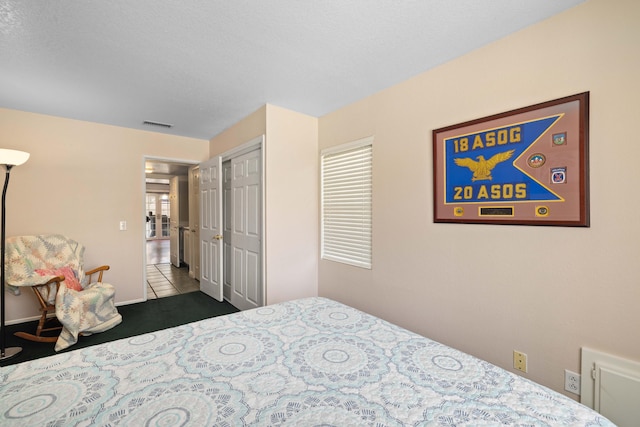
(12, 157)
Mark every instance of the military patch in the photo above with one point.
(542, 211)
(559, 139)
(559, 175)
(536, 160)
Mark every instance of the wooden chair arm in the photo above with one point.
(98, 270)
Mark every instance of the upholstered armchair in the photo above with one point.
(52, 266)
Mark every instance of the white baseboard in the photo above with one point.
(135, 301)
(30, 319)
(26, 319)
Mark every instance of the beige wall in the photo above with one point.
(546, 291)
(291, 193)
(81, 180)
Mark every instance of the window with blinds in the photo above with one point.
(346, 203)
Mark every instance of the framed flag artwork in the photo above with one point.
(523, 167)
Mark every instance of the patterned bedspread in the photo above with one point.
(306, 362)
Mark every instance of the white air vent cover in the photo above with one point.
(611, 386)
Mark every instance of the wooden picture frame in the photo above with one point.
(523, 167)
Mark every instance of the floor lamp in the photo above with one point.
(8, 158)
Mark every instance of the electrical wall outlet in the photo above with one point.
(572, 382)
(519, 361)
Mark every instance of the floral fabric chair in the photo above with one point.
(52, 266)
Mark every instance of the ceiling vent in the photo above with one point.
(162, 125)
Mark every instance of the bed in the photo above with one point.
(311, 361)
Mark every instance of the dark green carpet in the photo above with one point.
(137, 319)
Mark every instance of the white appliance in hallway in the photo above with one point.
(194, 222)
(178, 217)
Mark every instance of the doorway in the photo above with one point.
(162, 278)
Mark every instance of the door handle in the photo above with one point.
(218, 237)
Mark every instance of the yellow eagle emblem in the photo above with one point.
(482, 168)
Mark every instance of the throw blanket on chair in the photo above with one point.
(82, 305)
(86, 312)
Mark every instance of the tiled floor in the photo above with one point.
(164, 280)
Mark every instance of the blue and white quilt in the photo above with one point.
(302, 363)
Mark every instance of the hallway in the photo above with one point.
(163, 278)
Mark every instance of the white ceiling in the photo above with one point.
(202, 65)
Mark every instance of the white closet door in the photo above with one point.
(245, 275)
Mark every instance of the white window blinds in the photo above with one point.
(346, 203)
